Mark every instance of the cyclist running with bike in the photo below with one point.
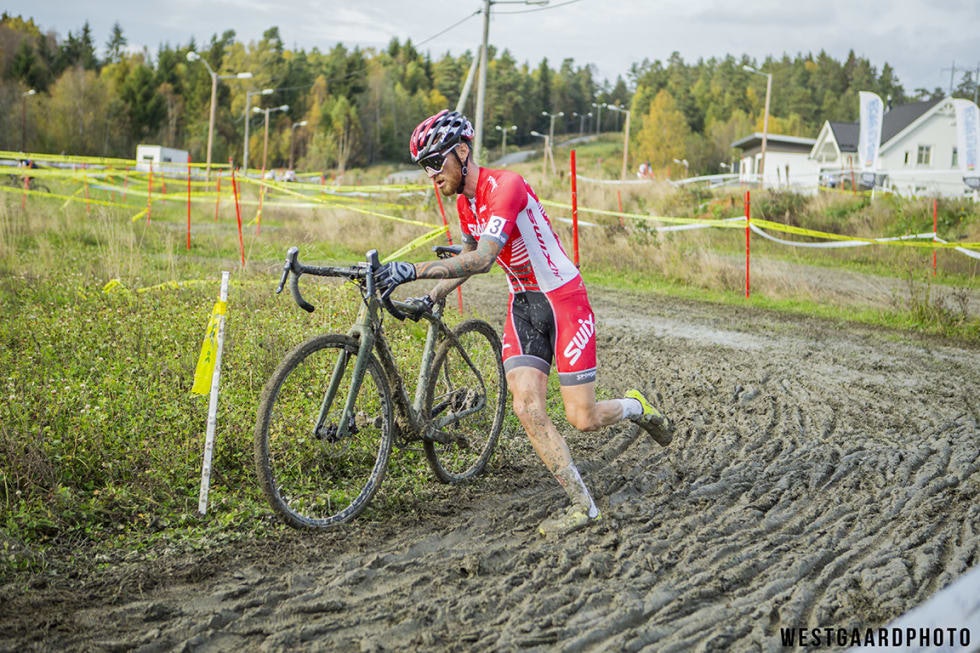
(549, 318)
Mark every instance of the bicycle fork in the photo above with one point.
(346, 424)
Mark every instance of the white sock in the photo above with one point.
(631, 407)
(574, 487)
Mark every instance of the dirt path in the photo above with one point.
(823, 475)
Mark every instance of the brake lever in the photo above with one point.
(291, 255)
(447, 251)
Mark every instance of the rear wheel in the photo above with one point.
(465, 402)
(316, 467)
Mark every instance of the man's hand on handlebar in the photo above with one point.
(391, 275)
(421, 306)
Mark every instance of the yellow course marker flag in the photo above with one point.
(209, 348)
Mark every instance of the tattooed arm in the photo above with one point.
(476, 258)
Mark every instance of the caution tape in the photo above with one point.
(960, 249)
(418, 242)
(117, 286)
(363, 200)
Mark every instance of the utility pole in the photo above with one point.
(481, 89)
(976, 83)
(952, 76)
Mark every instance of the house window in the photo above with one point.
(956, 159)
(906, 159)
(924, 156)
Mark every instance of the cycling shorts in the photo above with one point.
(554, 327)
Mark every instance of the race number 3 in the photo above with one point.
(495, 228)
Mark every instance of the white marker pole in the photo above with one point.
(202, 502)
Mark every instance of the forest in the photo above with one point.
(344, 107)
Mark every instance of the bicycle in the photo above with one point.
(33, 184)
(336, 404)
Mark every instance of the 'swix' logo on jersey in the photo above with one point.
(544, 246)
(586, 329)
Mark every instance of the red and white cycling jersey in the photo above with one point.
(549, 319)
(506, 209)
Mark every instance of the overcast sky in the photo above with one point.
(921, 39)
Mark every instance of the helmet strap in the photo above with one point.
(463, 171)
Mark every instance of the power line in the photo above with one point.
(545, 8)
(454, 25)
(480, 11)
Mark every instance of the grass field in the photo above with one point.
(103, 318)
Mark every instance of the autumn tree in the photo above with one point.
(663, 136)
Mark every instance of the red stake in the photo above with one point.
(748, 223)
(575, 208)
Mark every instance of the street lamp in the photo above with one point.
(23, 118)
(547, 152)
(248, 102)
(292, 136)
(193, 56)
(504, 130)
(265, 147)
(626, 133)
(765, 122)
(551, 128)
(581, 124)
(598, 119)
(684, 163)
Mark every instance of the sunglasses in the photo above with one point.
(434, 163)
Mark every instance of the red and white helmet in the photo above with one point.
(439, 133)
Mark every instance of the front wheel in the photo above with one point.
(319, 464)
(465, 401)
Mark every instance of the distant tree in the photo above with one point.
(543, 101)
(116, 45)
(78, 115)
(345, 129)
(145, 108)
(78, 51)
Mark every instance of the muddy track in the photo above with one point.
(823, 475)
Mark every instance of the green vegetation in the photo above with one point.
(101, 440)
(359, 104)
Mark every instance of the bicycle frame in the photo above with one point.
(367, 335)
(367, 331)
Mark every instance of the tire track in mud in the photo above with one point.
(820, 476)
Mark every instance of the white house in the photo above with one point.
(917, 156)
(787, 165)
(163, 159)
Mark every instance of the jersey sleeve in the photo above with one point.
(505, 202)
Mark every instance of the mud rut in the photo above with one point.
(823, 475)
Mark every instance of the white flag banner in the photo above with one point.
(967, 135)
(869, 140)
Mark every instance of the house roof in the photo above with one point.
(789, 142)
(898, 118)
(846, 134)
(894, 122)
